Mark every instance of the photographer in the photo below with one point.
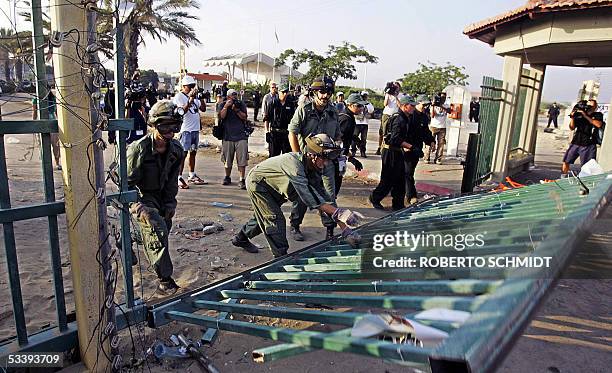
(151, 93)
(190, 129)
(585, 122)
(439, 114)
(136, 109)
(391, 102)
(233, 116)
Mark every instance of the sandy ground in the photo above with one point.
(572, 330)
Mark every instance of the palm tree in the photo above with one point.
(159, 19)
(18, 45)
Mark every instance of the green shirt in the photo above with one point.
(288, 176)
(308, 121)
(155, 174)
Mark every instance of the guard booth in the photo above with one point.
(538, 34)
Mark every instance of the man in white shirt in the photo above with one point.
(361, 126)
(439, 115)
(190, 128)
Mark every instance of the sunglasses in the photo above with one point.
(165, 129)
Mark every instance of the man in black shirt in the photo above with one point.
(256, 104)
(279, 114)
(553, 113)
(395, 145)
(584, 123)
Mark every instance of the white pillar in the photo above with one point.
(511, 76)
(604, 153)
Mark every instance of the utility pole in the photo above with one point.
(85, 203)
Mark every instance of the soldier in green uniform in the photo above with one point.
(291, 176)
(318, 116)
(153, 168)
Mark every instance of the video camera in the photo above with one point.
(580, 105)
(391, 88)
(439, 100)
(199, 93)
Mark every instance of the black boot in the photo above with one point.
(296, 234)
(241, 240)
(167, 286)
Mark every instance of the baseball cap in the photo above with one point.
(231, 92)
(283, 88)
(188, 80)
(340, 93)
(407, 99)
(365, 93)
(355, 98)
(423, 99)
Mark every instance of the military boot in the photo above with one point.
(241, 240)
(296, 234)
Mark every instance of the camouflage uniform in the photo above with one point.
(154, 175)
(305, 122)
(273, 182)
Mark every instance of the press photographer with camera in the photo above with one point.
(391, 102)
(190, 128)
(437, 126)
(585, 122)
(136, 109)
(233, 118)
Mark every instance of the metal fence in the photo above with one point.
(63, 335)
(526, 223)
(481, 145)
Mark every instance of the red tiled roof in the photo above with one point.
(207, 77)
(532, 7)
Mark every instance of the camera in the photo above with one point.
(200, 93)
(390, 88)
(438, 100)
(135, 93)
(580, 105)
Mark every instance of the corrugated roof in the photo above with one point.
(539, 6)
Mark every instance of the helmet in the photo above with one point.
(165, 112)
(323, 83)
(322, 145)
(188, 80)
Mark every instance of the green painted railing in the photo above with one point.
(547, 220)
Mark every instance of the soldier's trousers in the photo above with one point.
(279, 144)
(267, 217)
(361, 138)
(410, 164)
(392, 178)
(154, 232)
(299, 208)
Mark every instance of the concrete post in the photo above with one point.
(511, 76)
(83, 203)
(529, 129)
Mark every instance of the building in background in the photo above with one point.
(251, 67)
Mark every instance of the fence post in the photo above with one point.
(471, 164)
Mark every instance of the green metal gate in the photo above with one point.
(520, 109)
(63, 335)
(481, 145)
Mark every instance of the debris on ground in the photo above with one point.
(221, 204)
(226, 216)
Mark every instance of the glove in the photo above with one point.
(351, 237)
(356, 163)
(269, 137)
(348, 217)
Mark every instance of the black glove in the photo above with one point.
(356, 163)
(269, 137)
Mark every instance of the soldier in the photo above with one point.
(318, 116)
(346, 121)
(291, 176)
(279, 114)
(396, 145)
(153, 167)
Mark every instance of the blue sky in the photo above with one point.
(400, 33)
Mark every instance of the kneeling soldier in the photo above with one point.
(289, 177)
(153, 168)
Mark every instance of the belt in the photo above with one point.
(385, 146)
